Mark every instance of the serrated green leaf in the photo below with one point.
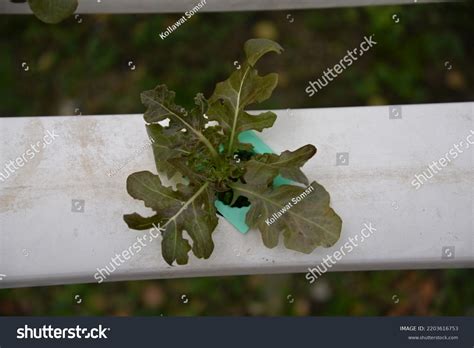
(188, 209)
(302, 215)
(244, 87)
(161, 106)
(173, 246)
(256, 48)
(262, 169)
(53, 11)
(166, 147)
(198, 120)
(148, 188)
(138, 222)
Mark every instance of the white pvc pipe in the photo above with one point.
(46, 238)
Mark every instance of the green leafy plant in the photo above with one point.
(213, 164)
(52, 11)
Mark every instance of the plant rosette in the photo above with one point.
(223, 167)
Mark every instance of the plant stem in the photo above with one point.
(189, 201)
(236, 113)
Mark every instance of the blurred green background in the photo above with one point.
(84, 66)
